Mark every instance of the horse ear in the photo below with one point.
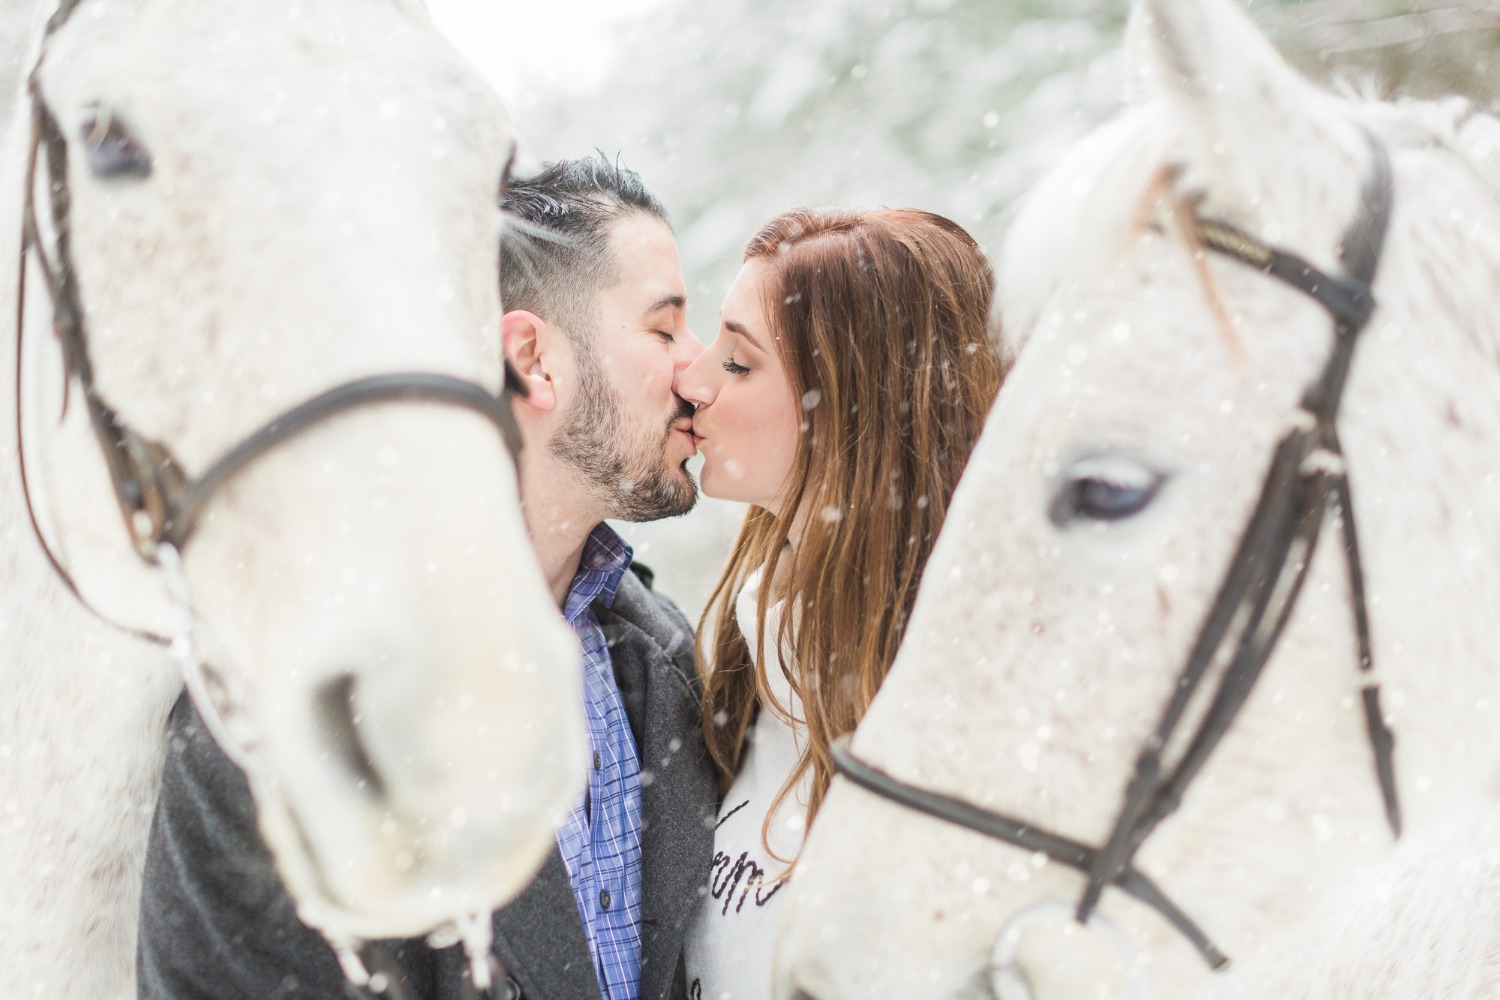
(1239, 109)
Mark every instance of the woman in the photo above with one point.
(845, 391)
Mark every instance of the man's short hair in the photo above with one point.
(555, 250)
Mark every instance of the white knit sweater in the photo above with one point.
(730, 940)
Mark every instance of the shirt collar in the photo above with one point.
(601, 567)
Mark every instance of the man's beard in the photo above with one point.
(631, 476)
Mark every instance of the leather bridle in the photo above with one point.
(162, 504)
(1307, 477)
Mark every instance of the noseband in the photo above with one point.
(1307, 477)
(162, 504)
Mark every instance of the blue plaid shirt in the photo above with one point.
(601, 839)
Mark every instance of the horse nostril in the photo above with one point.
(801, 994)
(807, 981)
(339, 724)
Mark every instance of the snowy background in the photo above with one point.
(733, 110)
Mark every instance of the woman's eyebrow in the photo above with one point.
(739, 328)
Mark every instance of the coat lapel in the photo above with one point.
(677, 788)
(540, 934)
(540, 938)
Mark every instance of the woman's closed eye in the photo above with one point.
(667, 336)
(733, 368)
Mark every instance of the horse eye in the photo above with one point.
(1103, 489)
(112, 150)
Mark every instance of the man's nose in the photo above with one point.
(690, 384)
(688, 349)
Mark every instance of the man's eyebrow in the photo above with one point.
(739, 328)
(666, 302)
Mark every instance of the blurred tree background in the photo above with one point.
(737, 109)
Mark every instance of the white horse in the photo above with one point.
(1159, 365)
(259, 201)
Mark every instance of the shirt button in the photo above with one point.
(604, 899)
(598, 761)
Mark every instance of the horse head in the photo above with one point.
(1176, 294)
(241, 206)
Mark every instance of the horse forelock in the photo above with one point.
(1133, 176)
(1078, 221)
(1084, 220)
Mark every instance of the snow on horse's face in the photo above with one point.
(270, 199)
(1092, 530)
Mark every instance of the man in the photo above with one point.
(596, 329)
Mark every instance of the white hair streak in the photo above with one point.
(523, 249)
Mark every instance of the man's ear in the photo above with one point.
(527, 341)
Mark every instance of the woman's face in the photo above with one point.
(748, 419)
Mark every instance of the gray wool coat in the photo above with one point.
(216, 922)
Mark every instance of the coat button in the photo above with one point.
(598, 761)
(604, 899)
(508, 990)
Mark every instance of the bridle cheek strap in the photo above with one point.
(185, 501)
(1307, 476)
(1261, 586)
(160, 504)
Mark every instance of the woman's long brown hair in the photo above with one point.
(881, 317)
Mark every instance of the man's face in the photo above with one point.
(625, 430)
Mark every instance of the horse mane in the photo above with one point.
(1454, 124)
